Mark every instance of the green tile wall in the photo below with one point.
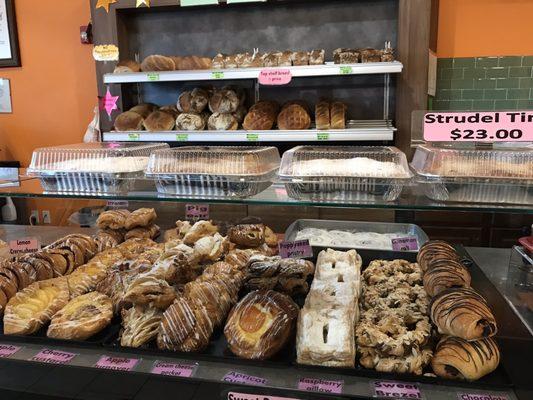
(484, 83)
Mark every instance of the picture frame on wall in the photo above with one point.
(9, 43)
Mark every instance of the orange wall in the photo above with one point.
(470, 28)
(54, 92)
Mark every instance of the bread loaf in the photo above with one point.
(190, 122)
(224, 101)
(218, 61)
(193, 63)
(266, 105)
(370, 55)
(144, 110)
(300, 58)
(317, 57)
(129, 121)
(294, 117)
(159, 121)
(338, 115)
(193, 102)
(240, 114)
(285, 59)
(158, 63)
(322, 116)
(170, 109)
(345, 56)
(222, 122)
(127, 66)
(259, 119)
(230, 62)
(271, 59)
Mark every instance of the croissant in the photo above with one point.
(456, 358)
(261, 324)
(445, 274)
(462, 313)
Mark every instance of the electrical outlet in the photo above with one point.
(34, 217)
(47, 218)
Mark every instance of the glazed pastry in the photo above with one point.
(148, 232)
(185, 327)
(261, 325)
(214, 297)
(370, 55)
(141, 217)
(159, 121)
(294, 117)
(222, 122)
(345, 56)
(106, 240)
(149, 290)
(414, 363)
(435, 250)
(338, 115)
(300, 58)
(322, 116)
(14, 273)
(113, 219)
(127, 66)
(317, 57)
(193, 102)
(445, 274)
(85, 278)
(190, 122)
(43, 268)
(199, 230)
(140, 325)
(462, 313)
(158, 63)
(82, 317)
(211, 248)
(247, 235)
(456, 358)
(34, 306)
(144, 110)
(224, 101)
(129, 121)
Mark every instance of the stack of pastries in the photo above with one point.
(119, 225)
(466, 349)
(325, 333)
(394, 329)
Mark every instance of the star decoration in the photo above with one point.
(109, 103)
(105, 4)
(141, 2)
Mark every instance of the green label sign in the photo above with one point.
(252, 137)
(322, 136)
(152, 76)
(134, 137)
(217, 75)
(346, 70)
(182, 137)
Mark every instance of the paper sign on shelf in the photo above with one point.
(24, 245)
(196, 212)
(320, 385)
(189, 3)
(217, 75)
(174, 369)
(152, 76)
(275, 76)
(396, 390)
(296, 249)
(134, 137)
(7, 350)
(322, 136)
(246, 396)
(49, 356)
(182, 137)
(236, 377)
(499, 126)
(117, 363)
(479, 396)
(405, 243)
(105, 52)
(345, 70)
(118, 204)
(252, 137)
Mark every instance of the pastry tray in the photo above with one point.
(403, 230)
(502, 176)
(308, 182)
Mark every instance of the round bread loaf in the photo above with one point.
(190, 122)
(158, 63)
(144, 110)
(194, 101)
(170, 109)
(224, 101)
(294, 117)
(266, 105)
(129, 121)
(222, 122)
(259, 120)
(240, 114)
(127, 66)
(159, 121)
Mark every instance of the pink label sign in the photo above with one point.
(117, 363)
(53, 356)
(7, 350)
(397, 390)
(174, 369)
(320, 385)
(245, 396)
(405, 244)
(504, 126)
(195, 212)
(469, 396)
(275, 76)
(24, 245)
(236, 377)
(296, 249)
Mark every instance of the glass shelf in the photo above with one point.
(276, 195)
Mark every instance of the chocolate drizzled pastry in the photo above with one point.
(445, 274)
(462, 313)
(435, 250)
(456, 358)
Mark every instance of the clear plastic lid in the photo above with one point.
(344, 161)
(215, 160)
(93, 157)
(447, 162)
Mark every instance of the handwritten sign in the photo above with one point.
(510, 126)
(49, 356)
(196, 212)
(275, 77)
(405, 244)
(24, 245)
(117, 363)
(174, 369)
(7, 350)
(296, 249)
(320, 385)
(236, 377)
(106, 52)
(245, 396)
(469, 396)
(118, 204)
(397, 390)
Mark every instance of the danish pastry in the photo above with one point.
(149, 290)
(140, 325)
(148, 232)
(113, 219)
(140, 217)
(82, 317)
(85, 278)
(261, 324)
(199, 230)
(247, 235)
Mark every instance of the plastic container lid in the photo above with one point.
(245, 161)
(446, 162)
(93, 157)
(305, 162)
